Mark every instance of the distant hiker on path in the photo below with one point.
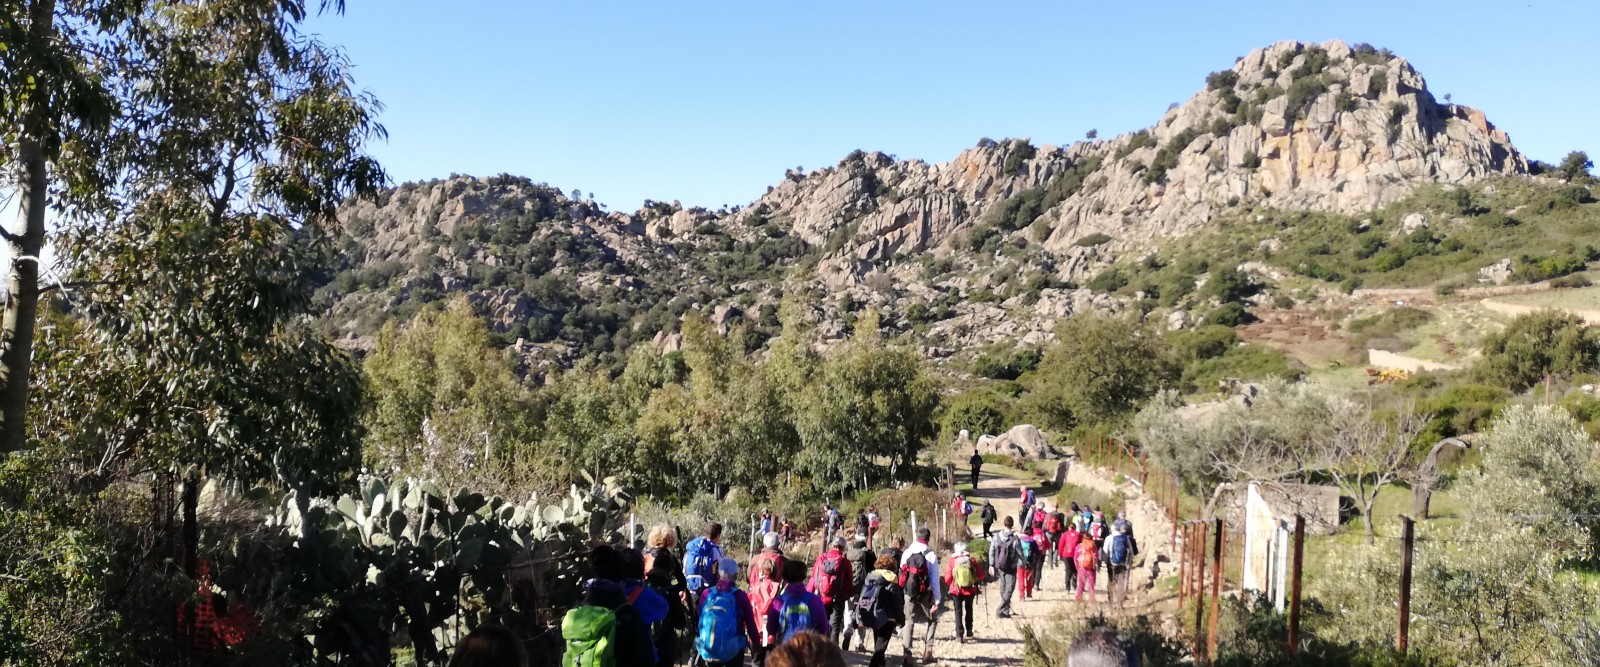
(874, 522)
(1066, 550)
(1005, 554)
(766, 521)
(1119, 553)
(1087, 559)
(862, 561)
(988, 517)
(977, 464)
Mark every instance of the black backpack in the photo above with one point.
(871, 612)
(988, 514)
(1005, 553)
(915, 576)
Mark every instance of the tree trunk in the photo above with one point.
(1422, 495)
(23, 245)
(1366, 521)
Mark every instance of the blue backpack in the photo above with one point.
(1119, 549)
(719, 639)
(1027, 551)
(796, 616)
(700, 563)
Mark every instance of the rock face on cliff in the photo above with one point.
(994, 245)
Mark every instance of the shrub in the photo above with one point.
(1230, 314)
(1535, 345)
(1378, 83)
(1222, 80)
(1005, 362)
(1140, 139)
(1203, 343)
(1247, 362)
(979, 412)
(1109, 280)
(1093, 240)
(1230, 284)
(1532, 270)
(1021, 152)
(1250, 160)
(1571, 282)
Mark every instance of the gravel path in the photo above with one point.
(999, 641)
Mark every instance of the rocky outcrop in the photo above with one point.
(1023, 441)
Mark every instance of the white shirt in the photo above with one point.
(933, 567)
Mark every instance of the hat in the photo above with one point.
(771, 539)
(961, 547)
(838, 542)
(728, 568)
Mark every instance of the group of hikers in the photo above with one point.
(1080, 540)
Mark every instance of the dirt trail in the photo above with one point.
(999, 641)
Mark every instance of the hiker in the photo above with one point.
(874, 522)
(831, 579)
(882, 608)
(1120, 523)
(919, 577)
(831, 520)
(1025, 566)
(1005, 554)
(1088, 567)
(1066, 550)
(1118, 554)
(1052, 533)
(788, 531)
(1103, 647)
(961, 578)
(987, 516)
(1041, 545)
(604, 623)
(1038, 519)
(766, 580)
(977, 464)
(862, 560)
(861, 521)
(795, 610)
(1025, 514)
(1098, 530)
(665, 576)
(651, 605)
(895, 548)
(700, 559)
(807, 649)
(490, 646)
(727, 621)
(766, 522)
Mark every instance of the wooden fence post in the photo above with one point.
(1294, 585)
(1216, 588)
(1200, 596)
(1183, 563)
(1408, 528)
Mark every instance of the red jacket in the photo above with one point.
(949, 575)
(1067, 547)
(843, 578)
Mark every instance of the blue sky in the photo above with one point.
(709, 102)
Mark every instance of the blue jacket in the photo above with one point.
(652, 607)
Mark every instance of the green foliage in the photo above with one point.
(1099, 369)
(1391, 322)
(1005, 362)
(1575, 167)
(1026, 207)
(1109, 279)
(1222, 80)
(1247, 362)
(1228, 284)
(1250, 160)
(1273, 437)
(1020, 152)
(1229, 314)
(1535, 345)
(1092, 240)
(1140, 139)
(1167, 158)
(1532, 270)
(978, 411)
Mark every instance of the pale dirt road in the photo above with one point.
(999, 641)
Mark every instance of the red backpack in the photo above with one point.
(916, 578)
(1052, 525)
(826, 575)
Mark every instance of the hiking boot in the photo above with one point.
(927, 656)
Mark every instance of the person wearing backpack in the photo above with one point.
(604, 630)
(988, 516)
(795, 610)
(1052, 533)
(490, 646)
(919, 578)
(1087, 559)
(896, 547)
(1026, 570)
(700, 558)
(651, 605)
(766, 580)
(961, 579)
(1119, 552)
(831, 580)
(862, 525)
(727, 621)
(1066, 549)
(862, 560)
(1005, 554)
(1041, 546)
(882, 608)
(664, 574)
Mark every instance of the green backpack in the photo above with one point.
(589, 633)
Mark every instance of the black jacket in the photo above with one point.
(863, 562)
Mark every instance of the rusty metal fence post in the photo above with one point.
(1408, 528)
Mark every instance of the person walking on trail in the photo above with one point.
(1041, 546)
(895, 548)
(766, 579)
(831, 521)
(988, 516)
(651, 605)
(882, 608)
(831, 580)
(862, 561)
(1025, 569)
(795, 610)
(766, 524)
(1087, 559)
(1066, 550)
(1118, 554)
(700, 558)
(1052, 532)
(727, 620)
(1025, 514)
(664, 573)
(977, 464)
(919, 578)
(874, 522)
(862, 524)
(604, 628)
(1005, 555)
(961, 579)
